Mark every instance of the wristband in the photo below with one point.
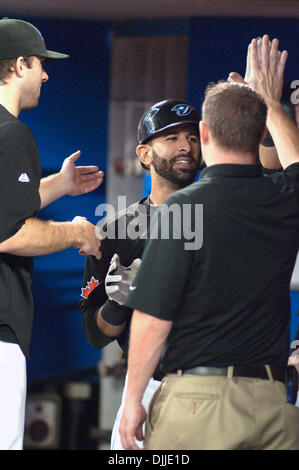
(114, 314)
(268, 141)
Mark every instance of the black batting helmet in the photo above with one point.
(166, 114)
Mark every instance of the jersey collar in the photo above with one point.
(231, 170)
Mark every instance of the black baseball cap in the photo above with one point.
(20, 38)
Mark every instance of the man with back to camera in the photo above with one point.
(224, 320)
(169, 147)
(22, 195)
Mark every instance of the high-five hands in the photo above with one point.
(264, 69)
(87, 239)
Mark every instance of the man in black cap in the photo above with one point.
(22, 195)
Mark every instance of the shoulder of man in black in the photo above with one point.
(18, 142)
(20, 174)
(288, 178)
(9, 125)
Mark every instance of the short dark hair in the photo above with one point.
(236, 116)
(7, 66)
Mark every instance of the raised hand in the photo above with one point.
(79, 179)
(268, 66)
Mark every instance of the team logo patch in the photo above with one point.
(182, 109)
(91, 285)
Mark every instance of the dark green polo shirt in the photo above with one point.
(229, 298)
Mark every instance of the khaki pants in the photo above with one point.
(190, 412)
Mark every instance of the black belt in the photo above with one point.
(255, 372)
(158, 375)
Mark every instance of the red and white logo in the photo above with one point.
(91, 285)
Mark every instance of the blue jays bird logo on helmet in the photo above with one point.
(182, 109)
(166, 114)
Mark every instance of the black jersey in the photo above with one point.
(20, 175)
(125, 235)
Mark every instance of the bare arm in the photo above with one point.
(72, 180)
(284, 133)
(39, 237)
(267, 80)
(147, 340)
(50, 189)
(267, 154)
(269, 158)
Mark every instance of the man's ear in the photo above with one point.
(204, 133)
(20, 67)
(144, 154)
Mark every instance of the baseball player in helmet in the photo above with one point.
(164, 116)
(169, 147)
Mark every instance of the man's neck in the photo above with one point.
(9, 99)
(161, 189)
(217, 156)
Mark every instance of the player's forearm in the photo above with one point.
(95, 337)
(109, 330)
(147, 339)
(39, 237)
(51, 188)
(284, 134)
(112, 318)
(269, 158)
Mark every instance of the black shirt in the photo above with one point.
(19, 199)
(124, 234)
(228, 299)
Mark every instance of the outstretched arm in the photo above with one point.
(267, 80)
(39, 237)
(267, 152)
(269, 157)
